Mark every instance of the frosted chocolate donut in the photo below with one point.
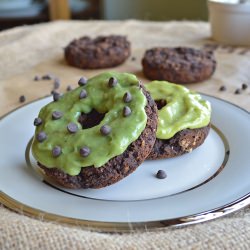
(183, 119)
(96, 134)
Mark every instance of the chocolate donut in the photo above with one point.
(96, 134)
(183, 119)
(97, 53)
(178, 65)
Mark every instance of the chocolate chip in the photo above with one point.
(228, 152)
(105, 129)
(127, 97)
(161, 174)
(237, 92)
(38, 121)
(244, 86)
(83, 94)
(112, 82)
(22, 98)
(72, 127)
(41, 136)
(47, 77)
(56, 151)
(56, 96)
(223, 88)
(126, 111)
(57, 83)
(37, 78)
(83, 81)
(84, 151)
(57, 115)
(211, 47)
(133, 58)
(69, 88)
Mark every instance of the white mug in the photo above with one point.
(230, 21)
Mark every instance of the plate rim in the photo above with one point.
(100, 226)
(208, 215)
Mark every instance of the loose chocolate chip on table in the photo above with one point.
(38, 121)
(22, 98)
(56, 96)
(126, 111)
(47, 77)
(83, 94)
(36, 78)
(57, 115)
(244, 86)
(112, 82)
(127, 97)
(72, 127)
(56, 151)
(41, 136)
(84, 151)
(69, 88)
(82, 81)
(161, 174)
(237, 91)
(223, 88)
(211, 46)
(105, 129)
(57, 83)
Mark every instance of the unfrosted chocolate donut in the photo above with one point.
(178, 65)
(100, 52)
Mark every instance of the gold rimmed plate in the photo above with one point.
(208, 183)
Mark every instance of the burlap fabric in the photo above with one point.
(36, 50)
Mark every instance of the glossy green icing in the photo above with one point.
(104, 99)
(184, 108)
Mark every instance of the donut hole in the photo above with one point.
(160, 103)
(91, 119)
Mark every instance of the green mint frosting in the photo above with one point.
(184, 108)
(104, 99)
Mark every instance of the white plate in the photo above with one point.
(210, 182)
